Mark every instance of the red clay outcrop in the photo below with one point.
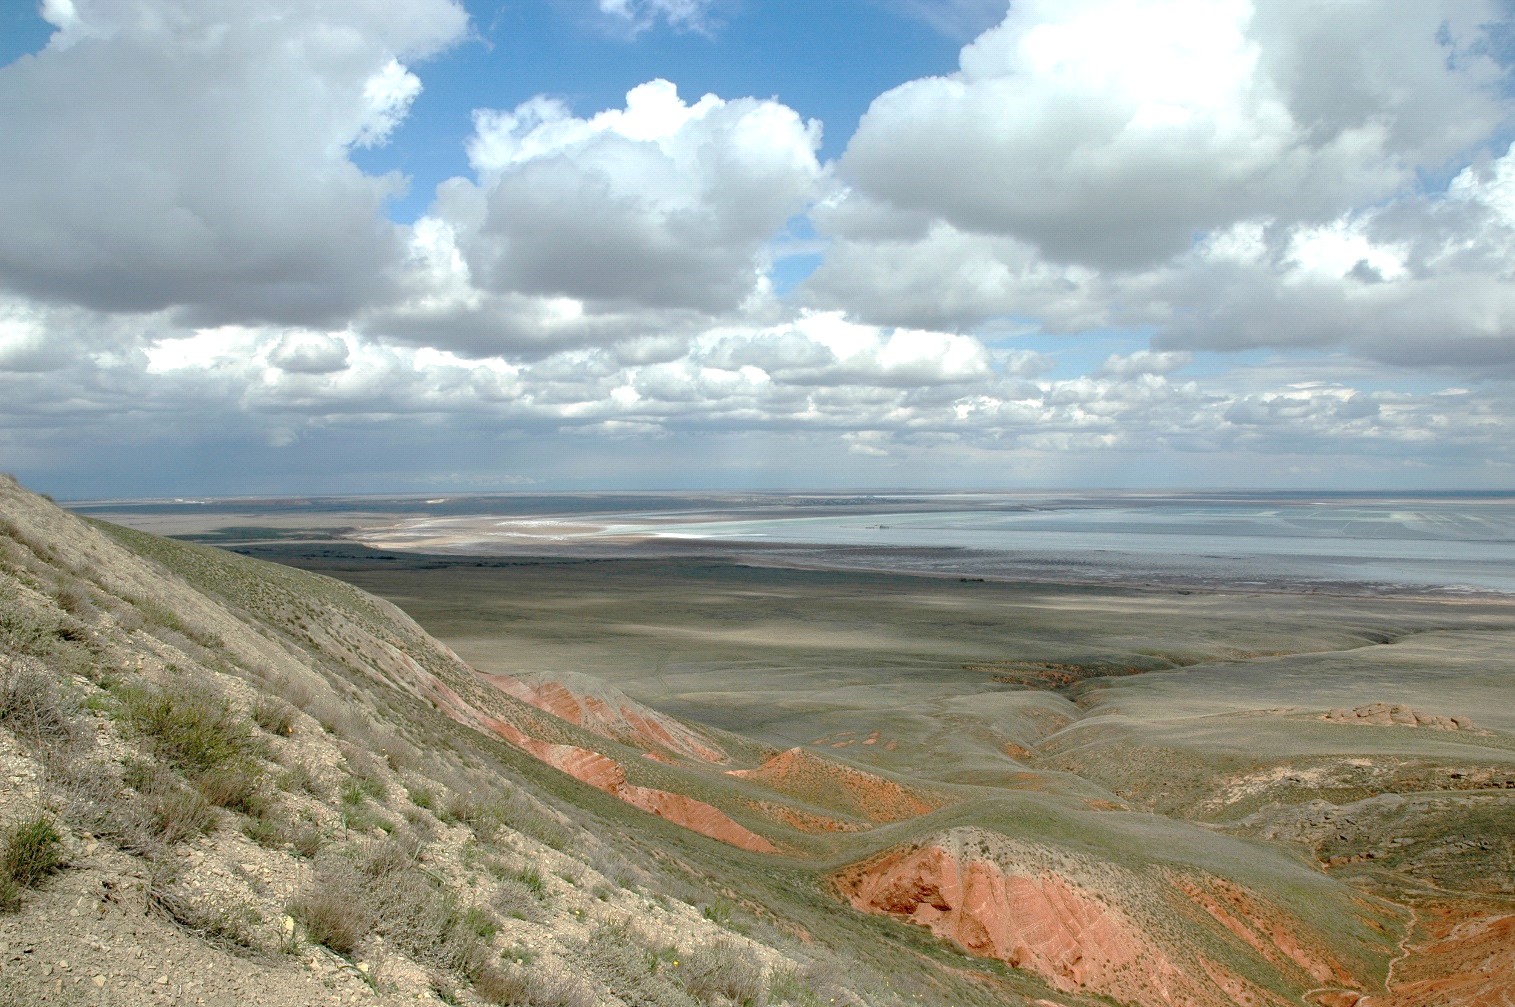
(1267, 929)
(820, 781)
(594, 768)
(1038, 921)
(1467, 960)
(606, 711)
(604, 773)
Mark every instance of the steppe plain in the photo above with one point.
(1139, 794)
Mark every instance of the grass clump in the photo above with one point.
(636, 967)
(198, 733)
(515, 900)
(382, 890)
(167, 810)
(298, 778)
(274, 716)
(307, 839)
(32, 850)
(517, 812)
(265, 833)
(518, 986)
(192, 728)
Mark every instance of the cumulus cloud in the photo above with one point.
(827, 349)
(635, 224)
(192, 258)
(309, 353)
(193, 155)
(1110, 133)
(1223, 175)
(1143, 362)
(1422, 281)
(660, 204)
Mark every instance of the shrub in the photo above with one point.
(381, 889)
(192, 728)
(517, 812)
(636, 967)
(359, 789)
(333, 917)
(33, 710)
(298, 777)
(514, 900)
(168, 811)
(72, 600)
(265, 833)
(533, 880)
(307, 839)
(520, 987)
(31, 851)
(232, 787)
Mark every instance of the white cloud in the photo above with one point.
(310, 353)
(191, 257)
(635, 226)
(193, 154)
(1143, 362)
(1110, 133)
(661, 204)
(642, 13)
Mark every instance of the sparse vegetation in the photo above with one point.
(722, 969)
(166, 811)
(382, 890)
(141, 744)
(224, 923)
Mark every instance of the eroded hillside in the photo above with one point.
(247, 790)
(267, 782)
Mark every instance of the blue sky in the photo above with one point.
(828, 64)
(271, 247)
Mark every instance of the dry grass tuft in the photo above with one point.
(382, 890)
(167, 812)
(722, 969)
(518, 986)
(32, 708)
(275, 716)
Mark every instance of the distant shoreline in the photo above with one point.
(1448, 545)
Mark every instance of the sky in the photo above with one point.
(344, 246)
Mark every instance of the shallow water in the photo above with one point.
(1453, 542)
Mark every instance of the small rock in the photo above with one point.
(99, 981)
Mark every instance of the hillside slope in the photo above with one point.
(232, 779)
(267, 785)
